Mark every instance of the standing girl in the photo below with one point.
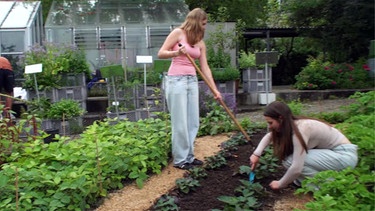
(182, 92)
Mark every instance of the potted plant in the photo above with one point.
(57, 61)
(64, 111)
(246, 60)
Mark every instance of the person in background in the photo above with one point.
(306, 146)
(182, 92)
(6, 84)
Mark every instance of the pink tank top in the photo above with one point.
(181, 65)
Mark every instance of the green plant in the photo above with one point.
(56, 60)
(65, 109)
(215, 121)
(344, 190)
(197, 173)
(296, 107)
(268, 164)
(166, 203)
(246, 60)
(332, 117)
(225, 74)
(39, 107)
(187, 184)
(321, 74)
(215, 161)
(220, 41)
(365, 103)
(246, 197)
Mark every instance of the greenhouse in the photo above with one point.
(111, 31)
(21, 26)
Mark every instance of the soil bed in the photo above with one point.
(223, 182)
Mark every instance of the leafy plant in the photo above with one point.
(365, 103)
(215, 161)
(166, 203)
(216, 121)
(197, 173)
(39, 107)
(332, 117)
(187, 184)
(268, 164)
(226, 74)
(246, 60)
(344, 190)
(296, 107)
(65, 109)
(56, 59)
(246, 199)
(320, 74)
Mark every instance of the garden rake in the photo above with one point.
(220, 100)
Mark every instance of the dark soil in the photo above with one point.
(223, 181)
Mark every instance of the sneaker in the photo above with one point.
(185, 166)
(297, 183)
(197, 162)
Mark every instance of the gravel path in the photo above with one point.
(311, 107)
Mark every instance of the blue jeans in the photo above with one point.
(317, 160)
(182, 97)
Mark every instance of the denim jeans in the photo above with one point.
(317, 160)
(182, 97)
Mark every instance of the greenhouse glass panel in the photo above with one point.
(19, 16)
(5, 8)
(121, 29)
(12, 41)
(21, 26)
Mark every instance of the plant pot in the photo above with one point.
(51, 135)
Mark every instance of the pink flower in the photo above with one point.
(310, 85)
(339, 71)
(350, 67)
(333, 82)
(326, 68)
(366, 67)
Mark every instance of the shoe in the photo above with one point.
(297, 183)
(185, 166)
(197, 162)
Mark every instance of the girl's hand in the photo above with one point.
(253, 161)
(217, 95)
(275, 185)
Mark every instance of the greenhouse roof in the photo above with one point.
(114, 12)
(14, 15)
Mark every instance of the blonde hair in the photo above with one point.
(193, 25)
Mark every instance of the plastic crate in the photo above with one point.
(256, 86)
(227, 87)
(75, 93)
(69, 79)
(49, 94)
(255, 74)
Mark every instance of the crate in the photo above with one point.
(256, 86)
(75, 93)
(227, 87)
(69, 79)
(49, 94)
(255, 74)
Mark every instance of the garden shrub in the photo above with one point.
(320, 74)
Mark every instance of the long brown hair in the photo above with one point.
(282, 139)
(193, 25)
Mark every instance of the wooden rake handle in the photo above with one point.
(220, 100)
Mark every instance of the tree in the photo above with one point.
(245, 10)
(344, 27)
